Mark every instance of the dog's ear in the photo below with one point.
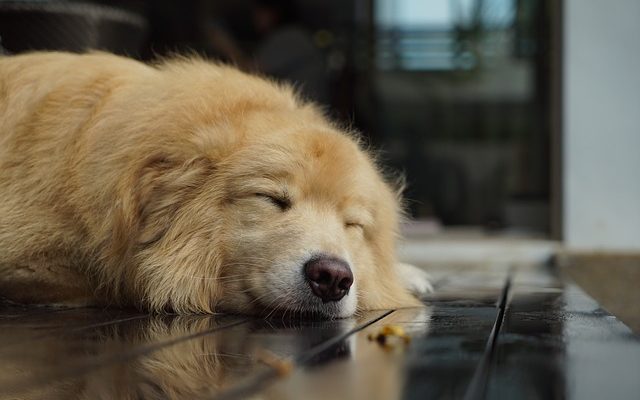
(150, 198)
(164, 185)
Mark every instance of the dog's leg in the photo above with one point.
(415, 279)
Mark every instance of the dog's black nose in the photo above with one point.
(330, 278)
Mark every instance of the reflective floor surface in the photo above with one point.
(498, 334)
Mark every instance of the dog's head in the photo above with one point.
(310, 224)
(268, 209)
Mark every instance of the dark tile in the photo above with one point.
(557, 344)
(442, 363)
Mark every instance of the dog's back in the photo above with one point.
(46, 100)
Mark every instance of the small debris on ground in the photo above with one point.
(283, 366)
(390, 336)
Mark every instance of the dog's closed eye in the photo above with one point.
(282, 202)
(354, 225)
(357, 219)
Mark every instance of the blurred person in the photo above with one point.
(285, 50)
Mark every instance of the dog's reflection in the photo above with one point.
(194, 357)
(189, 368)
(209, 361)
(159, 357)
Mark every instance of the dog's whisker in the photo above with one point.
(276, 302)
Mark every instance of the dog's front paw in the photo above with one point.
(415, 279)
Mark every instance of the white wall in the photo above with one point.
(601, 150)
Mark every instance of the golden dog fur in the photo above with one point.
(162, 186)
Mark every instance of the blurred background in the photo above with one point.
(505, 116)
(456, 94)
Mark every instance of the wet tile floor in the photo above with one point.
(496, 334)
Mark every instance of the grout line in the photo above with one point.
(260, 381)
(478, 387)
